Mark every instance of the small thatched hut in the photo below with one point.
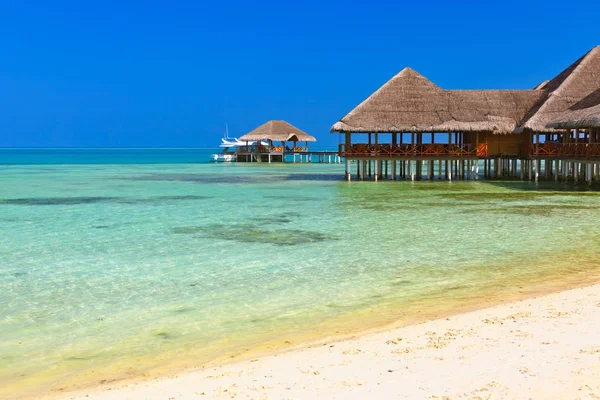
(275, 131)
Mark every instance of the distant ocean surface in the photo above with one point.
(106, 156)
(35, 156)
(122, 263)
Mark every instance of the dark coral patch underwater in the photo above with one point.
(248, 233)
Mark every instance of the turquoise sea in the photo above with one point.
(118, 264)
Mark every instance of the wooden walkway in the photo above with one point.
(320, 157)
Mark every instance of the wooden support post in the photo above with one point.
(364, 169)
(470, 170)
(456, 169)
(430, 170)
(522, 172)
(348, 173)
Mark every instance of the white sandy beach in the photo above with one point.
(542, 348)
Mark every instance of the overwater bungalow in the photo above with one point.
(272, 132)
(581, 122)
(411, 128)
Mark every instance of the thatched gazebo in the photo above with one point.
(276, 131)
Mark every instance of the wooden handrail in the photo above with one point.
(564, 150)
(413, 150)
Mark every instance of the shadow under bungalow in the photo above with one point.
(411, 128)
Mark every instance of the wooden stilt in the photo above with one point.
(430, 170)
(522, 169)
(348, 173)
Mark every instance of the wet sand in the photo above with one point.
(543, 348)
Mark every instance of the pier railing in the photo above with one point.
(564, 150)
(274, 149)
(413, 150)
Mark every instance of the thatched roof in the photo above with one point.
(561, 93)
(411, 103)
(279, 131)
(583, 114)
(541, 85)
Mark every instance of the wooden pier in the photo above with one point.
(571, 155)
(250, 154)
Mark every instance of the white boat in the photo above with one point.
(229, 146)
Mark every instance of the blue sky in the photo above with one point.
(173, 73)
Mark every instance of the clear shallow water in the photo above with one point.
(115, 271)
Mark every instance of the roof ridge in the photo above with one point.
(562, 82)
(581, 63)
(405, 73)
